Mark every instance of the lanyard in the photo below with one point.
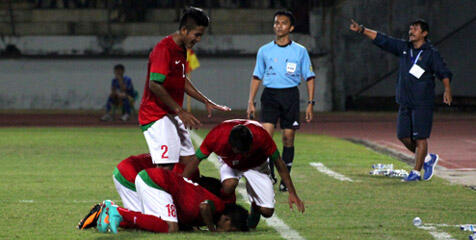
(418, 56)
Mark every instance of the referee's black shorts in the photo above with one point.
(282, 104)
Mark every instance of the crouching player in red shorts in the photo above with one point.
(167, 199)
(243, 147)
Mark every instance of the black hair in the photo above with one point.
(119, 67)
(238, 216)
(286, 13)
(193, 17)
(213, 185)
(423, 25)
(240, 138)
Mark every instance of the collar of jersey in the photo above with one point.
(172, 43)
(283, 46)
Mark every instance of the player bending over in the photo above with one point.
(243, 147)
(168, 199)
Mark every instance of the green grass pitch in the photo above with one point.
(50, 177)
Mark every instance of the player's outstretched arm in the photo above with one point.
(354, 26)
(207, 216)
(284, 174)
(210, 105)
(187, 118)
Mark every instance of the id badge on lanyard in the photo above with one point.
(416, 70)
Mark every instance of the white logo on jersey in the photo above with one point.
(177, 62)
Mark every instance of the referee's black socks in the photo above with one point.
(288, 157)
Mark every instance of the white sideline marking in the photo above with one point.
(436, 234)
(323, 169)
(284, 230)
(439, 235)
(26, 201)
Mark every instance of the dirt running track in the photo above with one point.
(453, 135)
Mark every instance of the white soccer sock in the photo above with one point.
(416, 172)
(427, 158)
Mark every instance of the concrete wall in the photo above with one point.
(142, 45)
(85, 83)
(355, 62)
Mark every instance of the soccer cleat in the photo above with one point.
(412, 177)
(114, 218)
(429, 166)
(282, 187)
(103, 219)
(90, 220)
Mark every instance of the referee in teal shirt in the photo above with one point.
(281, 65)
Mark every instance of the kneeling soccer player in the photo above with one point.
(243, 147)
(168, 199)
(124, 176)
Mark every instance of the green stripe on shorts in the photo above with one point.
(145, 177)
(147, 126)
(122, 180)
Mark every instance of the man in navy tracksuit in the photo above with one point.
(420, 62)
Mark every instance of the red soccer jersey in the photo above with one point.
(169, 60)
(131, 166)
(186, 194)
(216, 141)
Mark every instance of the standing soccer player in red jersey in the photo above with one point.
(168, 199)
(161, 116)
(243, 147)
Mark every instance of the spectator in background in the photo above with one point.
(122, 94)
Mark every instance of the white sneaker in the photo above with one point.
(125, 117)
(106, 117)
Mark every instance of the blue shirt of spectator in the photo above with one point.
(127, 81)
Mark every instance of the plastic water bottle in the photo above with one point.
(417, 222)
(468, 227)
(382, 166)
(472, 236)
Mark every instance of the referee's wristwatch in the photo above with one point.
(312, 102)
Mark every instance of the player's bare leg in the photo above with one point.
(255, 214)
(269, 127)
(409, 144)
